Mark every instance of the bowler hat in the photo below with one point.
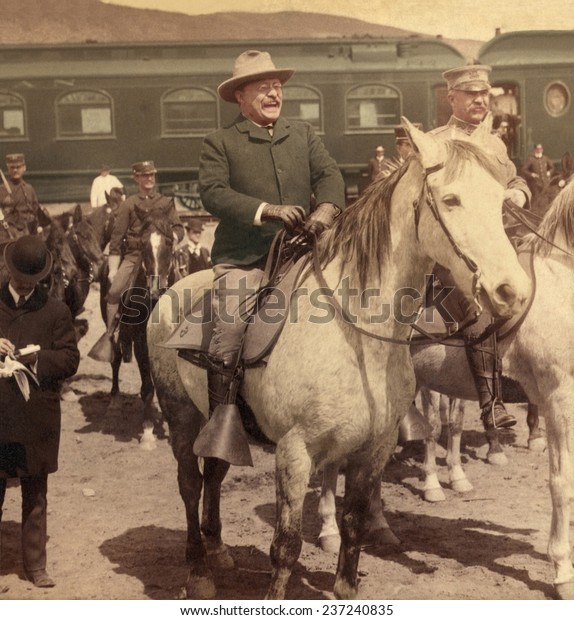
(15, 158)
(195, 225)
(249, 67)
(28, 259)
(144, 167)
(472, 78)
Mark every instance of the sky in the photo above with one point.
(455, 19)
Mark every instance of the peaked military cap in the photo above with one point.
(470, 78)
(144, 167)
(15, 158)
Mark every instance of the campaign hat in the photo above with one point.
(251, 66)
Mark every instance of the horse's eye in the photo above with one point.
(451, 200)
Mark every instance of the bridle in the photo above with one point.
(425, 197)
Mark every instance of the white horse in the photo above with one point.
(328, 391)
(539, 356)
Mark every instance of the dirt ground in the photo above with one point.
(117, 524)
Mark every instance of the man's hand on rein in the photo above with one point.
(292, 216)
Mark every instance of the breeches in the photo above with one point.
(234, 298)
(124, 277)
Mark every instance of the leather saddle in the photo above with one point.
(193, 335)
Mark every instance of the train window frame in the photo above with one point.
(107, 103)
(17, 104)
(190, 133)
(384, 127)
(288, 100)
(557, 84)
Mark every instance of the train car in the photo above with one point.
(72, 107)
(533, 81)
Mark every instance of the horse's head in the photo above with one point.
(85, 244)
(157, 253)
(459, 218)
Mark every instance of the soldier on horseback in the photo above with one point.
(255, 175)
(18, 199)
(468, 96)
(125, 245)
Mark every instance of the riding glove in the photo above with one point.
(292, 216)
(516, 197)
(321, 219)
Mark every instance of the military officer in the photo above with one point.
(469, 96)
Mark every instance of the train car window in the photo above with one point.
(303, 103)
(556, 98)
(12, 117)
(372, 106)
(189, 112)
(84, 113)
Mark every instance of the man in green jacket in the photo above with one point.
(259, 173)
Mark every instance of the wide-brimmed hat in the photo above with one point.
(28, 259)
(249, 67)
(144, 167)
(473, 78)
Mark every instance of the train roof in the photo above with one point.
(535, 47)
(181, 58)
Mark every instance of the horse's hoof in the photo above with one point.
(497, 458)
(220, 558)
(382, 536)
(200, 588)
(538, 444)
(461, 486)
(330, 543)
(148, 442)
(434, 495)
(565, 591)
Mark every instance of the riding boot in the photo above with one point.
(223, 436)
(103, 350)
(485, 366)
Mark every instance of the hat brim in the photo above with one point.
(226, 90)
(28, 278)
(473, 87)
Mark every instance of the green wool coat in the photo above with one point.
(242, 166)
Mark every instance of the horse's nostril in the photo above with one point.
(506, 294)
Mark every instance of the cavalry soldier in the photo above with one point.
(18, 198)
(125, 244)
(468, 96)
(258, 173)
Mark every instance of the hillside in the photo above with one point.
(58, 21)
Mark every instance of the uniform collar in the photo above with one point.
(468, 128)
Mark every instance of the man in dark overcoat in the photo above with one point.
(260, 173)
(30, 429)
(191, 255)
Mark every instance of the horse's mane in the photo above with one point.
(558, 218)
(362, 233)
(58, 244)
(156, 221)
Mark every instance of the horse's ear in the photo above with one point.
(483, 130)
(431, 150)
(78, 214)
(567, 164)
